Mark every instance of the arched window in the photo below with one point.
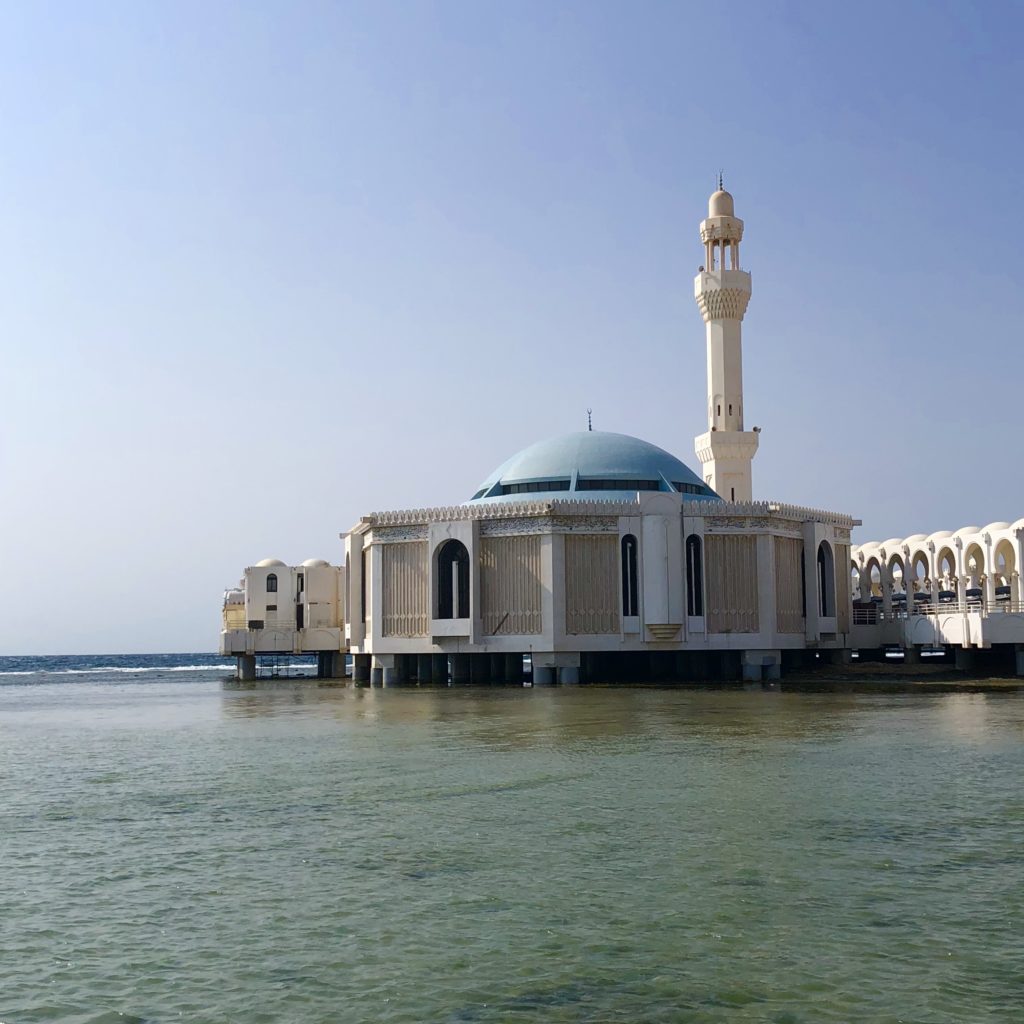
(826, 581)
(272, 583)
(630, 589)
(453, 581)
(694, 575)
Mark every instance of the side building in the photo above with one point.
(280, 609)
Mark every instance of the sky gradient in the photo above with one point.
(268, 267)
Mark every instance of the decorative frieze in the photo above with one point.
(396, 534)
(737, 524)
(517, 527)
(585, 524)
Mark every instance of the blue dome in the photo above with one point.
(590, 464)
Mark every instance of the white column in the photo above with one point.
(1019, 551)
(990, 575)
(885, 578)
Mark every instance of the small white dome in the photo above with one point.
(314, 563)
(720, 204)
(963, 531)
(996, 526)
(269, 563)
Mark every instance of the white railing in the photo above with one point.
(978, 607)
(872, 616)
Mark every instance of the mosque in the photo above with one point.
(595, 556)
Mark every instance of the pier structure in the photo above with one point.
(947, 590)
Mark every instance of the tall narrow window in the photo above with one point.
(694, 575)
(453, 581)
(630, 587)
(826, 581)
(362, 587)
(272, 583)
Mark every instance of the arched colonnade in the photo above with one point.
(970, 567)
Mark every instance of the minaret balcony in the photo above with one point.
(707, 280)
(722, 294)
(726, 445)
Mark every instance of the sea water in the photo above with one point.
(177, 846)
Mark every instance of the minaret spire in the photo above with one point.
(722, 291)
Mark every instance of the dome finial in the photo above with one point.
(590, 425)
(720, 188)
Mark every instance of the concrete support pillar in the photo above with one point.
(911, 656)
(760, 664)
(377, 671)
(424, 668)
(460, 669)
(1019, 656)
(246, 667)
(439, 669)
(479, 669)
(965, 659)
(327, 665)
(361, 668)
(497, 669)
(569, 675)
(514, 669)
(392, 668)
(543, 675)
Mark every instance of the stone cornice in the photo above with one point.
(569, 507)
(495, 510)
(769, 510)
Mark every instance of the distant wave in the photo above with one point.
(101, 670)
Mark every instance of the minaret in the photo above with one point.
(722, 291)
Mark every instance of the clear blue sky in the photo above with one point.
(270, 266)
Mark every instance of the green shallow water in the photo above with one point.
(192, 850)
